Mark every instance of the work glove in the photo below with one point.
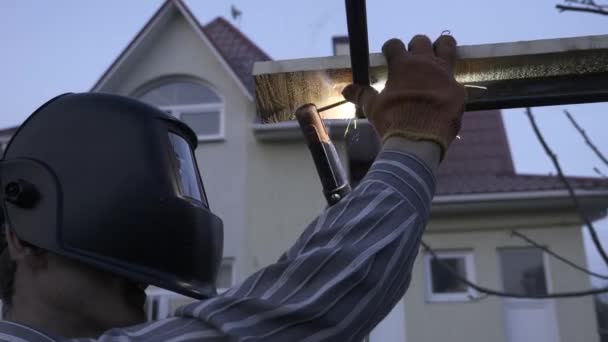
(421, 99)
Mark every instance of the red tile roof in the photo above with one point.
(240, 52)
(481, 149)
(480, 162)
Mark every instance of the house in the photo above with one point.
(5, 136)
(261, 180)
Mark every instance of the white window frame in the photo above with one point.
(177, 110)
(469, 265)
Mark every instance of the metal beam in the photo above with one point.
(519, 74)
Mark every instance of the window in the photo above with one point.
(225, 276)
(162, 303)
(523, 271)
(192, 102)
(441, 285)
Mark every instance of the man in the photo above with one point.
(89, 224)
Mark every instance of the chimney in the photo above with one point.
(340, 45)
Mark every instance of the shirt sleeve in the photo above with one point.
(343, 275)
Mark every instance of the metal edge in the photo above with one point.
(533, 47)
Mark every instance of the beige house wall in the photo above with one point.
(482, 320)
(284, 196)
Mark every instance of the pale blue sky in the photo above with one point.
(50, 47)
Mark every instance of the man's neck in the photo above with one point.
(30, 309)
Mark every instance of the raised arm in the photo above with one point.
(353, 263)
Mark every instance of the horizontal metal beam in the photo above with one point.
(519, 74)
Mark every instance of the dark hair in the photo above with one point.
(8, 269)
(7, 282)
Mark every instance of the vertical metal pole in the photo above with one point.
(356, 18)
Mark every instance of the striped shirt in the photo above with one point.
(343, 275)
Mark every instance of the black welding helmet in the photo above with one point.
(113, 182)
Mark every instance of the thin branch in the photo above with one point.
(564, 8)
(590, 143)
(497, 293)
(577, 206)
(590, 3)
(599, 172)
(557, 256)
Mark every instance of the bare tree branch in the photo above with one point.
(595, 10)
(591, 3)
(599, 173)
(590, 143)
(557, 256)
(577, 206)
(497, 293)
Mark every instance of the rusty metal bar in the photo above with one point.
(519, 74)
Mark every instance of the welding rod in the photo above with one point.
(329, 168)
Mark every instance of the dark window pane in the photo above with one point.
(443, 281)
(523, 271)
(203, 123)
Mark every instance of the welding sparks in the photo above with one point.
(347, 126)
(347, 111)
(379, 86)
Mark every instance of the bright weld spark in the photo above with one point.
(475, 87)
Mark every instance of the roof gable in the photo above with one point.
(233, 50)
(238, 50)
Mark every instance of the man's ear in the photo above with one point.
(23, 253)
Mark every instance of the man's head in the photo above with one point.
(106, 188)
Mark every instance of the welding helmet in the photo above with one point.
(113, 182)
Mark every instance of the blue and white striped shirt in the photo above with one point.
(343, 275)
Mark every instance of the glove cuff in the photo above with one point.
(417, 136)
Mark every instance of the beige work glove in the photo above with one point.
(421, 99)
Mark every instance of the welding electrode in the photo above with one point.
(333, 177)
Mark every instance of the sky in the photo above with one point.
(51, 47)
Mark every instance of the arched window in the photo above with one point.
(192, 102)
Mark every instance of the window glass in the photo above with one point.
(196, 104)
(180, 93)
(443, 274)
(443, 281)
(523, 271)
(203, 123)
